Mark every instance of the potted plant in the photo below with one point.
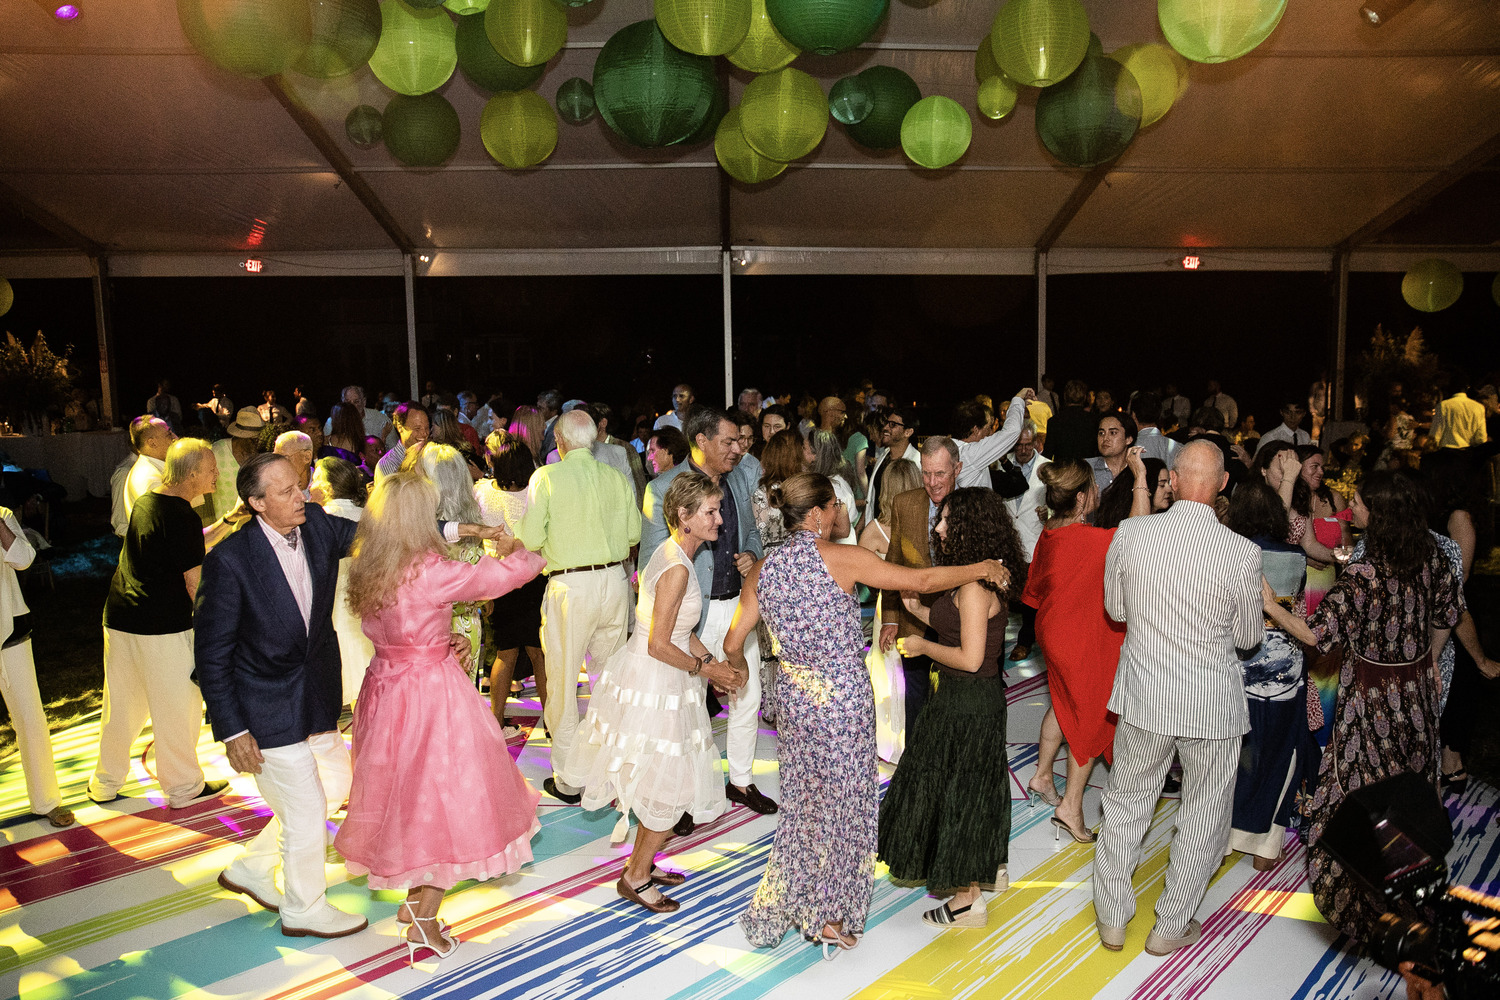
(33, 382)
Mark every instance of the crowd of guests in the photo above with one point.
(1261, 621)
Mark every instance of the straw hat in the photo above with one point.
(247, 423)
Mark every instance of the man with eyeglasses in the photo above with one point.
(896, 432)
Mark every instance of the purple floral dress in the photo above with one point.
(822, 863)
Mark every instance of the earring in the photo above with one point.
(687, 529)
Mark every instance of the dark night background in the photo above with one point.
(628, 339)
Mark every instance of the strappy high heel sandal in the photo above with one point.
(1049, 796)
(436, 947)
(404, 914)
(1086, 837)
(834, 943)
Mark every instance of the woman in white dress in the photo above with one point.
(647, 728)
(337, 488)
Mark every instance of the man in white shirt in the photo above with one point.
(1289, 429)
(375, 421)
(1146, 409)
(413, 425)
(150, 437)
(895, 446)
(1459, 422)
(976, 457)
(1224, 403)
(682, 401)
(219, 404)
(1023, 514)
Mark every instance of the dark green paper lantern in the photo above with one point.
(486, 68)
(850, 101)
(716, 112)
(827, 26)
(344, 36)
(575, 101)
(1090, 117)
(254, 38)
(423, 4)
(421, 131)
(1432, 285)
(363, 126)
(650, 92)
(893, 92)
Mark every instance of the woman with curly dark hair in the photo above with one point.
(945, 821)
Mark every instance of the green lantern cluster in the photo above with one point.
(526, 32)
(1215, 31)
(784, 115)
(893, 93)
(462, 7)
(1090, 117)
(363, 126)
(738, 158)
(421, 131)
(997, 97)
(344, 35)
(850, 101)
(416, 54)
(935, 132)
(518, 129)
(486, 68)
(1432, 285)
(575, 101)
(1161, 74)
(763, 49)
(650, 92)
(7, 296)
(1040, 42)
(704, 27)
(827, 26)
(254, 38)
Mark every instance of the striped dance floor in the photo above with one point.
(125, 906)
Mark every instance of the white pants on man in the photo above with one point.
(744, 704)
(24, 703)
(583, 614)
(150, 676)
(304, 784)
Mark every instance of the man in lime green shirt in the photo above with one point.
(583, 519)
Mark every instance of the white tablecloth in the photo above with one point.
(81, 463)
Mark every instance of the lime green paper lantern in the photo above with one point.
(997, 97)
(738, 158)
(1215, 31)
(518, 128)
(763, 49)
(984, 62)
(7, 296)
(462, 7)
(1159, 71)
(936, 132)
(1432, 285)
(850, 101)
(827, 26)
(527, 32)
(575, 101)
(894, 92)
(421, 131)
(363, 126)
(1090, 117)
(254, 38)
(1039, 42)
(650, 92)
(486, 68)
(416, 54)
(783, 115)
(704, 27)
(344, 36)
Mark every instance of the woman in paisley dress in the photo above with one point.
(821, 869)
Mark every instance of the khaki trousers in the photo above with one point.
(24, 703)
(583, 614)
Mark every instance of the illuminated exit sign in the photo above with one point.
(253, 265)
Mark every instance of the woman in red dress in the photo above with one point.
(1066, 585)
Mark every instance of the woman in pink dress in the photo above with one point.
(436, 798)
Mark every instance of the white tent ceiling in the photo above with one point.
(117, 140)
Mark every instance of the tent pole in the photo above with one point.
(411, 324)
(1341, 335)
(1041, 316)
(728, 335)
(105, 329)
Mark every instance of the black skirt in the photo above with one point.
(517, 618)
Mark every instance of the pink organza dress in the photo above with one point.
(436, 798)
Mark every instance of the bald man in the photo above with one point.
(1187, 589)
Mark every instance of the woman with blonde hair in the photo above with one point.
(887, 678)
(436, 799)
(527, 424)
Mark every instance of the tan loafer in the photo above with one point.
(1112, 938)
(1159, 945)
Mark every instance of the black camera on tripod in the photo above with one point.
(1393, 836)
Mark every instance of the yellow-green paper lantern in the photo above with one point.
(518, 128)
(462, 7)
(1432, 285)
(1039, 42)
(254, 38)
(763, 50)
(527, 32)
(738, 158)
(7, 296)
(1215, 31)
(984, 62)
(997, 96)
(1159, 71)
(784, 114)
(935, 132)
(416, 54)
(704, 27)
(344, 36)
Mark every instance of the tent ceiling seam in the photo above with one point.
(1070, 208)
(53, 224)
(1424, 193)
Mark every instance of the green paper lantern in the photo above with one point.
(254, 38)
(344, 36)
(650, 92)
(1096, 47)
(423, 4)
(763, 49)
(7, 296)
(416, 54)
(518, 129)
(1039, 42)
(486, 68)
(575, 101)
(1159, 71)
(462, 7)
(936, 132)
(577, 3)
(984, 62)
(1215, 31)
(527, 32)
(716, 112)
(827, 26)
(738, 158)
(997, 96)
(704, 27)
(850, 101)
(1432, 285)
(1090, 117)
(783, 115)
(421, 131)
(363, 126)
(894, 93)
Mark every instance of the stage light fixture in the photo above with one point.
(1377, 12)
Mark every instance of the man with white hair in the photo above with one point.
(583, 518)
(299, 448)
(1188, 590)
(375, 421)
(749, 402)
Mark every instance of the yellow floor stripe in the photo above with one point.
(1295, 905)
